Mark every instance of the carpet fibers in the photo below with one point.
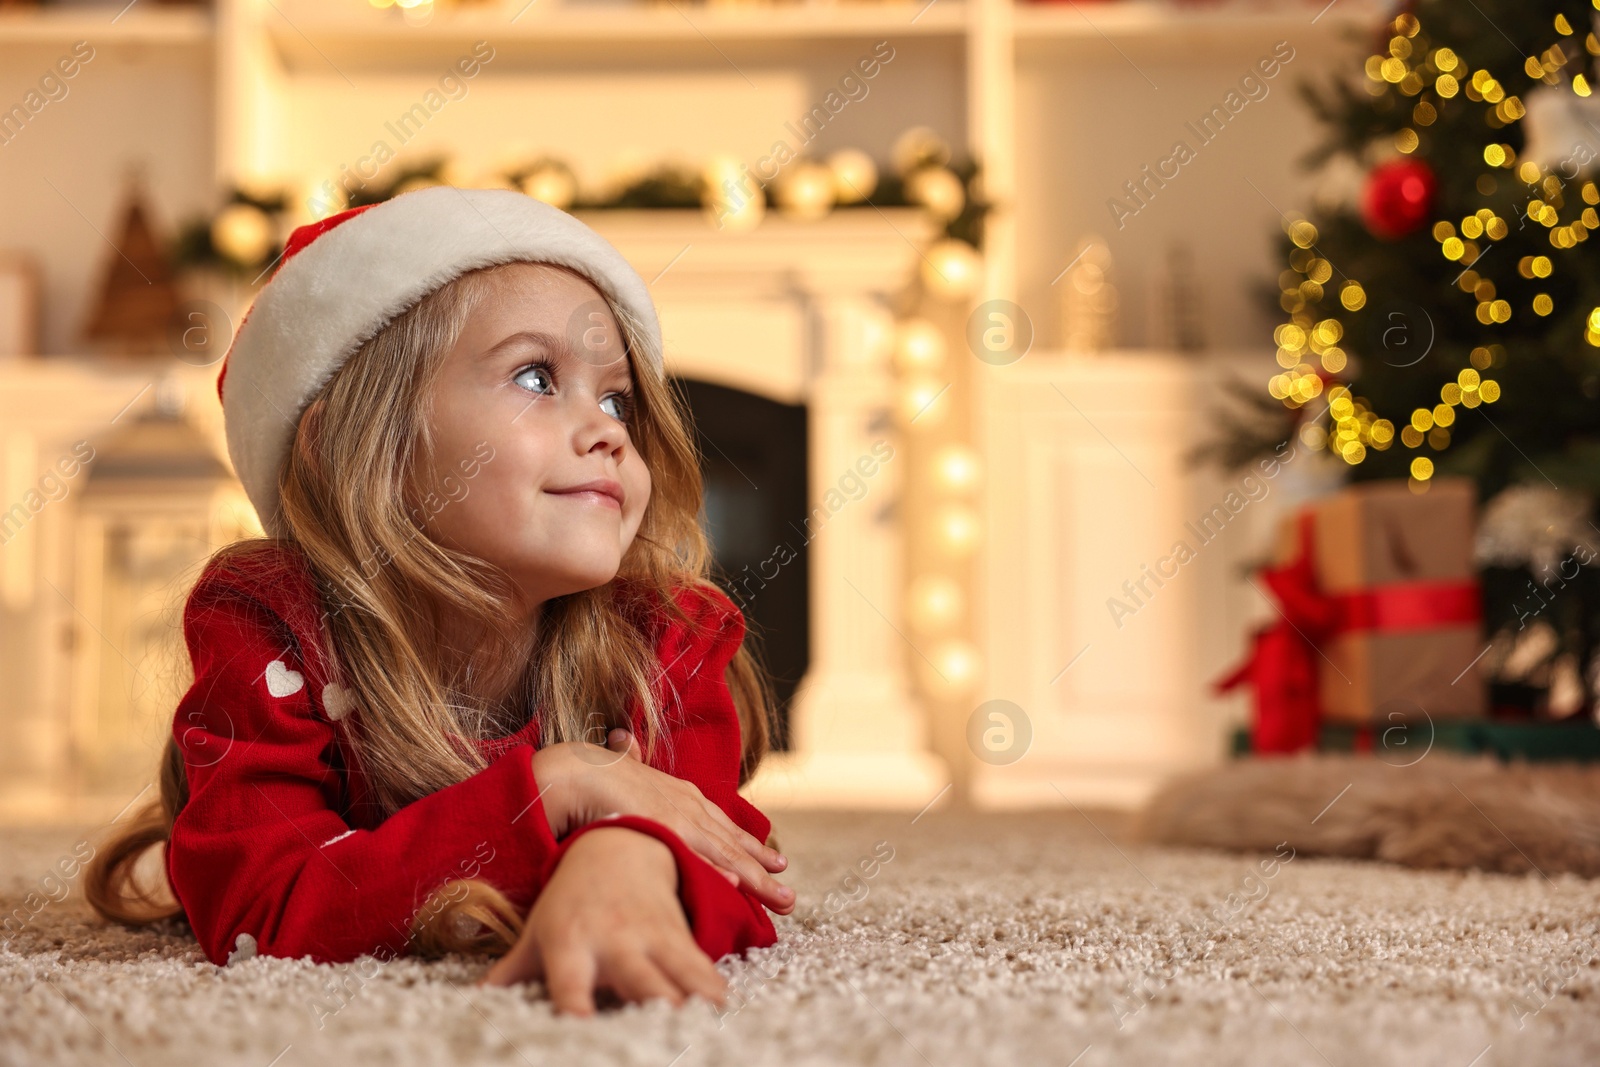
(1042, 938)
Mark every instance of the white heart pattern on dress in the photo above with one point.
(283, 682)
(336, 701)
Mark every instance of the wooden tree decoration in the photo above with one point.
(138, 299)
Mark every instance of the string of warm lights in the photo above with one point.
(1309, 343)
(948, 479)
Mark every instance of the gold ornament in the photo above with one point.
(855, 175)
(242, 232)
(938, 190)
(918, 147)
(732, 199)
(553, 184)
(805, 191)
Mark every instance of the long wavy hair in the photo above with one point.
(349, 492)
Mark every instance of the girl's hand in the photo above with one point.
(609, 918)
(584, 782)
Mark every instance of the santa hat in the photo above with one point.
(345, 277)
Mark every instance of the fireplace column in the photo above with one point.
(859, 737)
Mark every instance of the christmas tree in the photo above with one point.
(138, 300)
(1446, 320)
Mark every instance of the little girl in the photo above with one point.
(474, 691)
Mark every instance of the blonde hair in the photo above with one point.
(348, 492)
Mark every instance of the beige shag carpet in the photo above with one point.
(1043, 938)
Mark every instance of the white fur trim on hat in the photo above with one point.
(336, 292)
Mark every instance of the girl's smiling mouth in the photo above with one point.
(601, 491)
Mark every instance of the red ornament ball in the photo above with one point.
(1398, 197)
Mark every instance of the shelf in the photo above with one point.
(60, 27)
(586, 35)
(310, 39)
(1181, 27)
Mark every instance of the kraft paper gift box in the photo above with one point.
(1398, 567)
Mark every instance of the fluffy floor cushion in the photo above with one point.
(1439, 811)
(1041, 938)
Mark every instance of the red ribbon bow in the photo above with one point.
(1282, 664)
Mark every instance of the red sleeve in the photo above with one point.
(261, 848)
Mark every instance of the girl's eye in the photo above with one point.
(535, 370)
(621, 403)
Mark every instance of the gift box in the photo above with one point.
(1379, 617)
(1410, 631)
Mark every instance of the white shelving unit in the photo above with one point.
(1063, 103)
(168, 27)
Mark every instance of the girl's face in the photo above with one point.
(539, 383)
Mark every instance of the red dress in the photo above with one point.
(281, 840)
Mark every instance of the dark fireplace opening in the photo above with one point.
(753, 459)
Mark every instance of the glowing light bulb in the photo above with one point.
(923, 402)
(956, 468)
(952, 269)
(957, 525)
(958, 664)
(935, 602)
(918, 346)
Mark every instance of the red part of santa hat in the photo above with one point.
(345, 277)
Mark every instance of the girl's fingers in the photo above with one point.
(724, 854)
(771, 892)
(518, 965)
(714, 835)
(752, 858)
(770, 858)
(569, 979)
(634, 976)
(715, 854)
(620, 740)
(693, 970)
